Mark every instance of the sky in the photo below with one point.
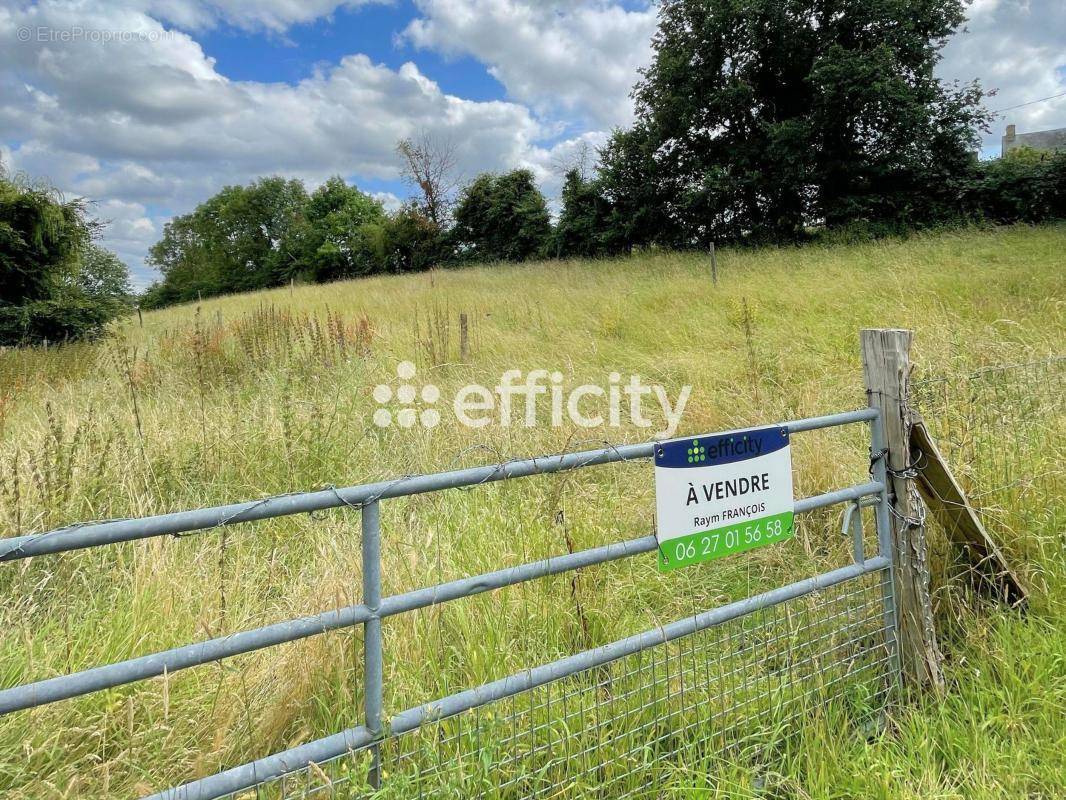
(148, 107)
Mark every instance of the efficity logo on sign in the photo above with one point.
(722, 494)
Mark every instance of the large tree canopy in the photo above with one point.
(502, 218)
(41, 239)
(759, 117)
(265, 234)
(334, 236)
(232, 242)
(585, 227)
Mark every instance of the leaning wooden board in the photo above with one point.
(948, 502)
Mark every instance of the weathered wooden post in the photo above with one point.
(886, 371)
(464, 338)
(714, 265)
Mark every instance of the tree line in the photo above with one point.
(759, 121)
(274, 231)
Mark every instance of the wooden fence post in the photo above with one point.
(714, 265)
(464, 339)
(886, 372)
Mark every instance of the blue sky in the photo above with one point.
(374, 30)
(150, 106)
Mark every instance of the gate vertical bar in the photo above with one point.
(885, 543)
(372, 657)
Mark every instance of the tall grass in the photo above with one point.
(245, 396)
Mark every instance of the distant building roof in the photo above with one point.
(1038, 140)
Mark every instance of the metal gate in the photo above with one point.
(600, 723)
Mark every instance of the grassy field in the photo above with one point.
(247, 396)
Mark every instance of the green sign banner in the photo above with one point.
(709, 545)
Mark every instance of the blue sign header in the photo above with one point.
(724, 448)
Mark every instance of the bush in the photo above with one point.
(413, 242)
(502, 218)
(59, 319)
(1023, 186)
(57, 285)
(585, 228)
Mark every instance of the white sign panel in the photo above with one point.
(722, 494)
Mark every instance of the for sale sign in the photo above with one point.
(722, 494)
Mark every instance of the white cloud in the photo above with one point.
(1017, 47)
(151, 122)
(148, 127)
(271, 15)
(130, 232)
(390, 201)
(577, 56)
(550, 164)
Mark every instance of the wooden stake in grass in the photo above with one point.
(464, 339)
(714, 266)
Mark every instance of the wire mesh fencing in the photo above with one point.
(617, 730)
(1003, 431)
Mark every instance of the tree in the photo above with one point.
(335, 235)
(764, 116)
(56, 284)
(245, 225)
(231, 242)
(586, 224)
(501, 218)
(187, 263)
(635, 190)
(1023, 186)
(41, 239)
(580, 158)
(413, 242)
(104, 278)
(428, 164)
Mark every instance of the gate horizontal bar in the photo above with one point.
(95, 534)
(339, 744)
(95, 679)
